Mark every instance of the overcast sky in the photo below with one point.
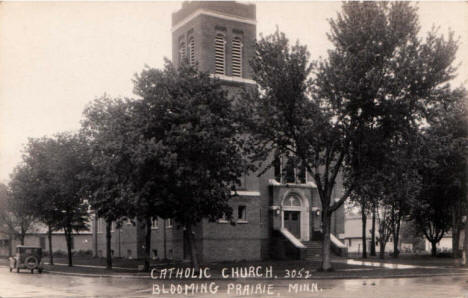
(57, 57)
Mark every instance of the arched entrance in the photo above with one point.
(295, 215)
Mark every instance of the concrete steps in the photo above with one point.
(313, 249)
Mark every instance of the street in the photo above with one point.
(25, 284)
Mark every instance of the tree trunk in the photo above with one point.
(147, 244)
(372, 245)
(455, 232)
(164, 240)
(22, 235)
(382, 250)
(465, 217)
(433, 248)
(108, 244)
(68, 238)
(396, 233)
(10, 244)
(192, 247)
(457, 242)
(51, 251)
(364, 234)
(95, 235)
(326, 262)
(465, 242)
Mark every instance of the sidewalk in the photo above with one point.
(344, 268)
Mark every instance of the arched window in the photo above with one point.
(220, 49)
(182, 52)
(236, 57)
(292, 201)
(192, 51)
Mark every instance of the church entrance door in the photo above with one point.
(292, 222)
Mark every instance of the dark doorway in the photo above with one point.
(292, 222)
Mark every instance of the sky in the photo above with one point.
(56, 57)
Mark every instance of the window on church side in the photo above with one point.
(192, 51)
(289, 170)
(237, 57)
(220, 59)
(223, 219)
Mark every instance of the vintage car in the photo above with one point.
(27, 257)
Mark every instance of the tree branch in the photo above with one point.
(340, 202)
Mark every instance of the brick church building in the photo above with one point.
(276, 215)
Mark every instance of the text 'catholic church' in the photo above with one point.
(276, 215)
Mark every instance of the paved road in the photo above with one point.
(51, 285)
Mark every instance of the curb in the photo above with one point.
(97, 275)
(134, 276)
(93, 266)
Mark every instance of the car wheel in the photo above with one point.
(31, 262)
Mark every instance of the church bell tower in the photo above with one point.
(219, 37)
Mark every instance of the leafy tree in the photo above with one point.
(125, 176)
(192, 143)
(54, 166)
(69, 163)
(4, 227)
(372, 231)
(286, 119)
(365, 194)
(40, 187)
(381, 78)
(410, 234)
(107, 130)
(16, 216)
(384, 219)
(443, 172)
(451, 124)
(403, 182)
(432, 217)
(17, 213)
